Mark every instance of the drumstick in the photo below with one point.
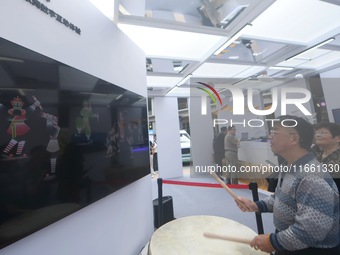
(236, 198)
(227, 238)
(225, 187)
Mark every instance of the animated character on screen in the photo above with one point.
(53, 145)
(18, 127)
(112, 140)
(83, 122)
(124, 140)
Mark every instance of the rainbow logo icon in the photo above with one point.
(211, 92)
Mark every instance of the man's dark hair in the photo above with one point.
(303, 127)
(223, 129)
(331, 127)
(231, 127)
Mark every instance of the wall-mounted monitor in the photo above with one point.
(67, 139)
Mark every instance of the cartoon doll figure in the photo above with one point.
(112, 141)
(83, 122)
(124, 140)
(18, 126)
(53, 144)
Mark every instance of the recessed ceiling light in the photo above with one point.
(233, 57)
(311, 49)
(281, 68)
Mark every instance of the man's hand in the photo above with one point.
(262, 242)
(246, 205)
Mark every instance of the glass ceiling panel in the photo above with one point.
(246, 50)
(209, 13)
(212, 13)
(166, 65)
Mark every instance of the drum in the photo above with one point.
(184, 236)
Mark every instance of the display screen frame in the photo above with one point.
(67, 139)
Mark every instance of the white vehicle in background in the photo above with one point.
(185, 144)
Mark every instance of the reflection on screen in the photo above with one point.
(67, 139)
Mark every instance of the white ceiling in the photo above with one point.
(179, 38)
(171, 44)
(305, 22)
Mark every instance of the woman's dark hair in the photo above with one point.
(331, 127)
(303, 127)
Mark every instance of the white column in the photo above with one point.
(202, 135)
(168, 137)
(330, 86)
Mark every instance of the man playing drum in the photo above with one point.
(305, 204)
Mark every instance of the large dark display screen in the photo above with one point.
(67, 139)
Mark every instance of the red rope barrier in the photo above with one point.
(208, 185)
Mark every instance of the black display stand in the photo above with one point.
(254, 191)
(163, 209)
(168, 211)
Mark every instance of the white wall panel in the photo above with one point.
(122, 222)
(331, 84)
(168, 137)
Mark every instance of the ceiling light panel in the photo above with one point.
(323, 61)
(173, 44)
(300, 21)
(218, 70)
(293, 62)
(316, 59)
(281, 68)
(313, 54)
(162, 81)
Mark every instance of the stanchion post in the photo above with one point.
(160, 202)
(253, 187)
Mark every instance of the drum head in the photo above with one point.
(184, 236)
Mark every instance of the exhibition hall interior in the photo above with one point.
(86, 85)
(259, 48)
(238, 44)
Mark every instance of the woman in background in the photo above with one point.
(327, 138)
